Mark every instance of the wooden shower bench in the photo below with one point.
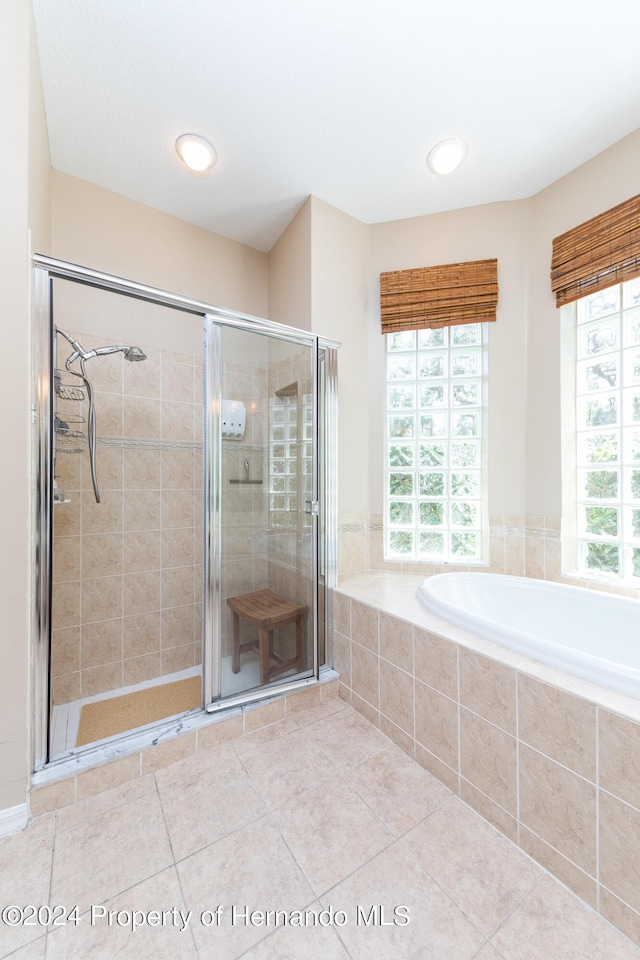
(267, 610)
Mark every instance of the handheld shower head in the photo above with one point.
(134, 353)
(130, 353)
(81, 355)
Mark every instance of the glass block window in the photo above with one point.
(608, 432)
(290, 457)
(435, 490)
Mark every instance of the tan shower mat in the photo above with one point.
(106, 718)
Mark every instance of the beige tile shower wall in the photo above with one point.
(556, 773)
(127, 571)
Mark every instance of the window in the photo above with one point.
(607, 452)
(435, 501)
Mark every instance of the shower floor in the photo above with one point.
(66, 717)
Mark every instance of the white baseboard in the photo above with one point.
(13, 819)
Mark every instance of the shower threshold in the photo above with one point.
(66, 719)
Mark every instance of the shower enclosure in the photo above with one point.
(186, 509)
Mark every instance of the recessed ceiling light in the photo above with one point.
(196, 152)
(446, 156)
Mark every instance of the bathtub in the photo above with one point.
(588, 633)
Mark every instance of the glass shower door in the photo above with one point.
(262, 578)
(125, 407)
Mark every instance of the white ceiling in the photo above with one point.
(342, 99)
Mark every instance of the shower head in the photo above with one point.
(134, 353)
(130, 353)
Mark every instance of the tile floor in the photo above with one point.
(319, 812)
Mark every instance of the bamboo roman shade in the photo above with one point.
(440, 296)
(597, 254)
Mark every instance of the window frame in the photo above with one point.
(577, 399)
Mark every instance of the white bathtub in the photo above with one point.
(588, 633)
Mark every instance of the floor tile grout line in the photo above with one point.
(174, 861)
(319, 895)
(445, 892)
(306, 905)
(164, 820)
(477, 955)
(517, 906)
(299, 727)
(277, 740)
(276, 930)
(543, 872)
(365, 863)
(108, 811)
(325, 893)
(423, 869)
(399, 836)
(225, 836)
(427, 816)
(333, 772)
(111, 807)
(199, 769)
(117, 893)
(18, 950)
(50, 890)
(256, 787)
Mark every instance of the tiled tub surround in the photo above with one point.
(518, 545)
(552, 761)
(313, 809)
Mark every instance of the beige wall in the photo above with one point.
(340, 250)
(20, 183)
(608, 179)
(290, 273)
(99, 229)
(318, 279)
(495, 230)
(39, 161)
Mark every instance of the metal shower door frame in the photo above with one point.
(214, 322)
